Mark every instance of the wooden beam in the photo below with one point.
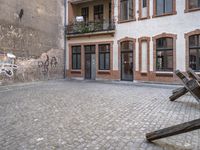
(174, 130)
(193, 86)
(181, 76)
(193, 75)
(177, 90)
(178, 94)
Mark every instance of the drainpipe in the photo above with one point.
(65, 39)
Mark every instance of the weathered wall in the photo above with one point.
(36, 39)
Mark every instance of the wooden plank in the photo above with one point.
(192, 85)
(181, 76)
(193, 75)
(177, 90)
(174, 130)
(178, 94)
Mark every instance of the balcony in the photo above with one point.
(97, 18)
(90, 28)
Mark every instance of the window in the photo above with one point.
(193, 4)
(126, 10)
(104, 57)
(127, 46)
(144, 3)
(164, 7)
(76, 57)
(98, 13)
(85, 13)
(144, 54)
(144, 9)
(164, 54)
(110, 12)
(194, 52)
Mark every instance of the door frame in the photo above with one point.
(90, 53)
(121, 66)
(125, 39)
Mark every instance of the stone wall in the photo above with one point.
(33, 32)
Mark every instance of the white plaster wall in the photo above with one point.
(179, 24)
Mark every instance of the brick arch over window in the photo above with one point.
(127, 39)
(164, 35)
(119, 50)
(187, 35)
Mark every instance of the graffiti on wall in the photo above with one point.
(49, 62)
(14, 68)
(7, 65)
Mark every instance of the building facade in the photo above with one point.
(132, 40)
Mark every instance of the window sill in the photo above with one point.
(143, 18)
(75, 71)
(168, 14)
(197, 72)
(126, 21)
(191, 10)
(143, 73)
(104, 71)
(164, 73)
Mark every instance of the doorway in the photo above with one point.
(90, 62)
(127, 61)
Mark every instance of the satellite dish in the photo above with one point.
(79, 18)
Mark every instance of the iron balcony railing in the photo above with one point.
(88, 27)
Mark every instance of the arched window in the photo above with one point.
(164, 54)
(194, 52)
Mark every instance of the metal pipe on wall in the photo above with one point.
(65, 41)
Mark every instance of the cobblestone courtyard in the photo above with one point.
(73, 115)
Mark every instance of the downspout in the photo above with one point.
(65, 39)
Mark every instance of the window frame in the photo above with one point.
(140, 9)
(187, 35)
(163, 35)
(164, 50)
(104, 54)
(196, 47)
(99, 12)
(141, 40)
(174, 12)
(85, 15)
(76, 54)
(119, 42)
(187, 7)
(119, 13)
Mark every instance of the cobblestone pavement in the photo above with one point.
(73, 115)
